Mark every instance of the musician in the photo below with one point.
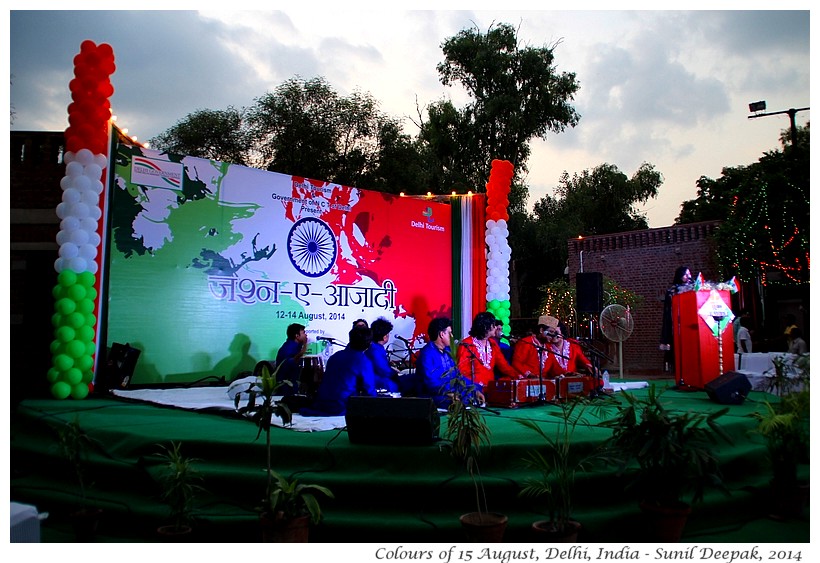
(531, 355)
(288, 358)
(502, 341)
(479, 356)
(435, 367)
(386, 375)
(348, 372)
(567, 353)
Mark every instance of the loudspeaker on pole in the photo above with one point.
(392, 421)
(731, 388)
(589, 292)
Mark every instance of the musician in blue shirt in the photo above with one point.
(289, 357)
(435, 367)
(348, 372)
(386, 375)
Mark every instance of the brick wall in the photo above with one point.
(645, 262)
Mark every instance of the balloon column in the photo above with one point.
(79, 238)
(498, 250)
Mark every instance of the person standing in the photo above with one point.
(744, 337)
(479, 356)
(798, 345)
(681, 281)
(386, 375)
(288, 359)
(348, 372)
(435, 367)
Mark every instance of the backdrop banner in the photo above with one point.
(209, 262)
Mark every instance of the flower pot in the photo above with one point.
(486, 527)
(176, 534)
(545, 532)
(665, 524)
(278, 529)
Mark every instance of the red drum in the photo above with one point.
(511, 393)
(574, 385)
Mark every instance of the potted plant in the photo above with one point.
(294, 506)
(557, 464)
(668, 455)
(467, 431)
(179, 484)
(74, 443)
(283, 500)
(784, 424)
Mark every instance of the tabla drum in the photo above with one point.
(313, 368)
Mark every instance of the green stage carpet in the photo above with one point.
(383, 493)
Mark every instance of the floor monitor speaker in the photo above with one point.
(392, 421)
(731, 388)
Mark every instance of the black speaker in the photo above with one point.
(730, 388)
(411, 421)
(589, 291)
(119, 366)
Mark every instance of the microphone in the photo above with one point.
(324, 338)
(403, 339)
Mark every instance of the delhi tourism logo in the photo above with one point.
(312, 247)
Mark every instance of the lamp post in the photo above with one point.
(759, 107)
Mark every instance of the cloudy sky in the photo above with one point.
(670, 88)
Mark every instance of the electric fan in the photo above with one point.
(617, 325)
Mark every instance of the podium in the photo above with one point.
(703, 337)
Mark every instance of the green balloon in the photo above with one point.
(67, 278)
(75, 320)
(85, 306)
(86, 278)
(85, 333)
(60, 390)
(65, 334)
(57, 320)
(53, 374)
(72, 376)
(56, 347)
(63, 362)
(75, 349)
(88, 376)
(90, 319)
(90, 348)
(91, 293)
(84, 362)
(58, 292)
(76, 292)
(79, 391)
(65, 305)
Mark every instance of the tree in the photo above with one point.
(517, 96)
(213, 134)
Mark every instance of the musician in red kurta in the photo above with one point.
(479, 355)
(531, 355)
(569, 358)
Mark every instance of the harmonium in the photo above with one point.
(512, 393)
(573, 385)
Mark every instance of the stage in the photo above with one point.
(383, 493)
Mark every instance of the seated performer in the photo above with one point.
(386, 375)
(435, 367)
(288, 359)
(479, 356)
(567, 354)
(531, 355)
(348, 372)
(502, 341)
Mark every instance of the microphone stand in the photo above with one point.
(596, 366)
(542, 396)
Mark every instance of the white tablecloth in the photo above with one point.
(758, 367)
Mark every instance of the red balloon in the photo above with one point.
(73, 143)
(88, 46)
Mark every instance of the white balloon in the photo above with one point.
(95, 213)
(94, 238)
(70, 223)
(83, 183)
(101, 160)
(69, 250)
(80, 210)
(74, 169)
(85, 157)
(72, 195)
(69, 156)
(92, 267)
(66, 182)
(62, 237)
(62, 210)
(89, 224)
(490, 224)
(88, 252)
(79, 237)
(97, 187)
(502, 223)
(90, 198)
(59, 264)
(495, 231)
(93, 171)
(77, 264)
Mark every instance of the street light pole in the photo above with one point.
(759, 106)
